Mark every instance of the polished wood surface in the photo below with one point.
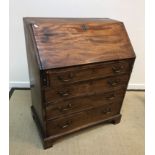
(70, 106)
(76, 74)
(62, 125)
(103, 41)
(79, 70)
(86, 88)
(34, 77)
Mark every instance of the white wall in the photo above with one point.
(131, 12)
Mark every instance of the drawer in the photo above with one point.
(64, 125)
(65, 107)
(76, 74)
(85, 88)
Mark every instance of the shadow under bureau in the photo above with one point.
(79, 71)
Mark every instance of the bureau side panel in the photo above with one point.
(34, 76)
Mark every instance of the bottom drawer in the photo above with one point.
(63, 125)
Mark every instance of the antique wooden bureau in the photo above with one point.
(79, 71)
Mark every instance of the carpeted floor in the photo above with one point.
(126, 138)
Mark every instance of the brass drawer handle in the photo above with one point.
(69, 78)
(63, 93)
(65, 125)
(113, 82)
(117, 69)
(63, 109)
(106, 111)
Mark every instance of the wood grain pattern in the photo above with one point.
(34, 76)
(79, 70)
(102, 41)
(85, 88)
(67, 107)
(63, 125)
(87, 72)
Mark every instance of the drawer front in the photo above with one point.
(63, 108)
(85, 88)
(68, 76)
(64, 125)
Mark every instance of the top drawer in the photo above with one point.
(82, 73)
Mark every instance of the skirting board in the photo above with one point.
(136, 86)
(26, 84)
(19, 84)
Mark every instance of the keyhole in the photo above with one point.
(84, 27)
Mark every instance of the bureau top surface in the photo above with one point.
(63, 42)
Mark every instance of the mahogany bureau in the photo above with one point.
(79, 71)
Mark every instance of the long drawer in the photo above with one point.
(69, 106)
(85, 88)
(64, 125)
(101, 70)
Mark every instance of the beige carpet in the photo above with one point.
(126, 138)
